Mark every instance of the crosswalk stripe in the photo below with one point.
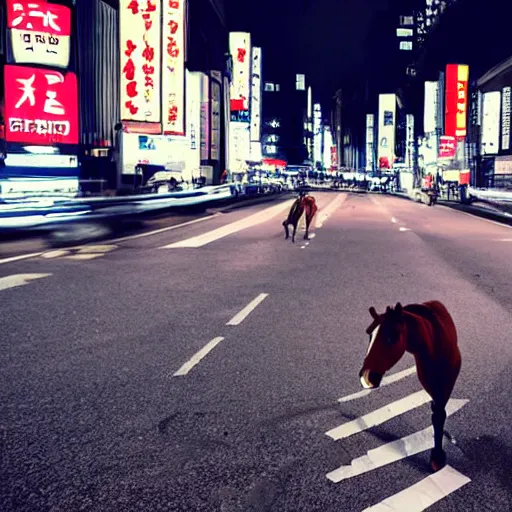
(229, 229)
(96, 249)
(19, 280)
(84, 257)
(423, 494)
(380, 416)
(391, 379)
(394, 451)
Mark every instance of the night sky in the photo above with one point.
(329, 40)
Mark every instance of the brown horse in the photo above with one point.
(303, 204)
(427, 331)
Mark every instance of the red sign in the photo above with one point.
(40, 33)
(457, 77)
(41, 106)
(39, 17)
(334, 157)
(447, 147)
(384, 163)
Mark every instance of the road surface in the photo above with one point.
(214, 366)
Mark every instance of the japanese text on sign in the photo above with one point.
(505, 119)
(240, 48)
(40, 106)
(173, 72)
(140, 60)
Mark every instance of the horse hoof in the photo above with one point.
(437, 460)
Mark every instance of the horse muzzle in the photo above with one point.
(369, 379)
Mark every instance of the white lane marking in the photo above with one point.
(303, 247)
(83, 257)
(473, 216)
(394, 451)
(424, 494)
(234, 227)
(163, 230)
(21, 257)
(97, 248)
(393, 220)
(329, 210)
(312, 235)
(242, 315)
(54, 254)
(404, 229)
(391, 379)
(19, 280)
(197, 357)
(502, 240)
(379, 416)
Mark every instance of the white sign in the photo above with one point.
(409, 141)
(140, 51)
(240, 146)
(205, 117)
(300, 82)
(173, 71)
(328, 143)
(39, 48)
(387, 115)
(370, 124)
(317, 133)
(215, 115)
(193, 100)
(240, 48)
(30, 160)
(256, 95)
(430, 108)
(491, 123)
(505, 119)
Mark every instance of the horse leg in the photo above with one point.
(438, 455)
(308, 223)
(286, 230)
(294, 231)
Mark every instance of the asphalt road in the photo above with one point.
(99, 413)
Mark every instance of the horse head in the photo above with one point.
(387, 345)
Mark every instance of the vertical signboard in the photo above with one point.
(317, 133)
(409, 141)
(216, 99)
(140, 32)
(300, 82)
(227, 122)
(491, 123)
(173, 69)
(456, 100)
(386, 130)
(370, 127)
(430, 107)
(256, 95)
(41, 106)
(240, 48)
(40, 32)
(240, 145)
(205, 117)
(505, 119)
(193, 117)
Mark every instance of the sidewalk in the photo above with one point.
(501, 213)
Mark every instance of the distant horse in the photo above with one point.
(427, 331)
(303, 204)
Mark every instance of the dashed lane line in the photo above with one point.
(329, 210)
(244, 313)
(196, 358)
(20, 257)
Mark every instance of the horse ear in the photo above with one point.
(374, 314)
(399, 309)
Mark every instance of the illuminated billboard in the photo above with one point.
(430, 107)
(140, 51)
(173, 69)
(456, 100)
(370, 127)
(240, 48)
(300, 82)
(317, 133)
(240, 146)
(40, 32)
(216, 101)
(387, 127)
(256, 95)
(491, 123)
(41, 106)
(505, 118)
